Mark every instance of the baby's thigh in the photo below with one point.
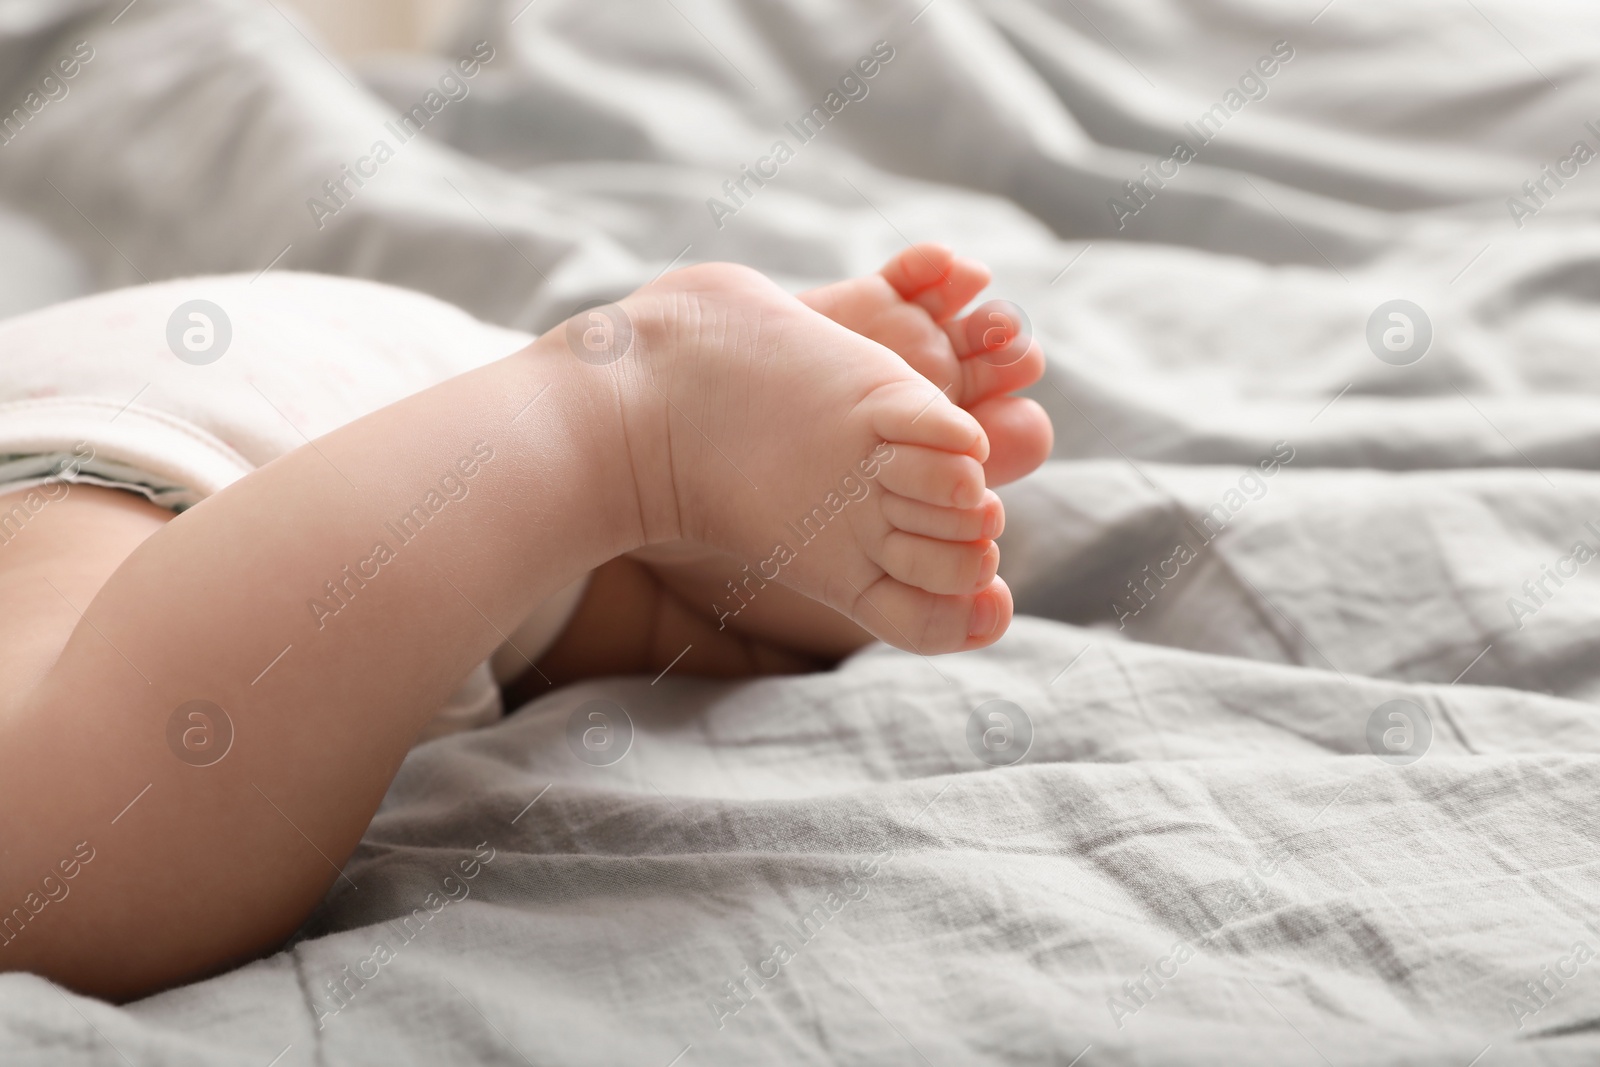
(535, 635)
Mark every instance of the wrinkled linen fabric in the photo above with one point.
(1199, 858)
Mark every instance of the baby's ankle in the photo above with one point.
(663, 357)
(568, 404)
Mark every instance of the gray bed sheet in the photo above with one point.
(1202, 829)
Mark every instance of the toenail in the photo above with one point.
(991, 565)
(992, 519)
(985, 616)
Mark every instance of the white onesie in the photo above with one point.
(177, 389)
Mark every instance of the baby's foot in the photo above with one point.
(913, 316)
(754, 425)
(910, 307)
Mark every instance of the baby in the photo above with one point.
(765, 481)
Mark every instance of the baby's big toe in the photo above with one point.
(911, 412)
(1021, 437)
(916, 620)
(937, 279)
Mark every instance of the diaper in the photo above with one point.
(176, 390)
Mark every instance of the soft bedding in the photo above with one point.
(1295, 758)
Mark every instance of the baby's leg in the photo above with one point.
(630, 622)
(329, 602)
(379, 561)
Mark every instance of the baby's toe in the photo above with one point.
(950, 567)
(1020, 435)
(936, 279)
(916, 620)
(932, 476)
(910, 411)
(995, 353)
(982, 523)
(917, 268)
